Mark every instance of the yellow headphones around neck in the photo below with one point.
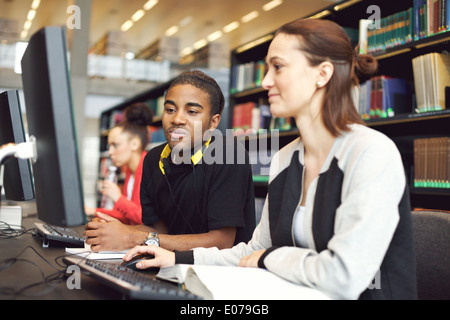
(195, 158)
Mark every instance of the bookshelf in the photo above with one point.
(395, 60)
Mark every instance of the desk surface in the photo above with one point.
(30, 268)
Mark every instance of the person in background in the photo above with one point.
(127, 142)
(337, 215)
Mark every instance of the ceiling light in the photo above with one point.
(230, 27)
(254, 43)
(321, 14)
(126, 26)
(345, 5)
(35, 4)
(172, 30)
(272, 4)
(27, 25)
(129, 55)
(200, 44)
(31, 14)
(150, 4)
(214, 36)
(186, 51)
(23, 34)
(249, 17)
(138, 15)
(186, 21)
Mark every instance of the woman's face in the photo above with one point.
(120, 147)
(290, 80)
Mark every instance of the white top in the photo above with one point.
(298, 227)
(130, 187)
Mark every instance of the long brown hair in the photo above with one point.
(324, 40)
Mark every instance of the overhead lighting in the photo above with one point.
(172, 30)
(126, 26)
(214, 36)
(138, 15)
(200, 44)
(23, 34)
(186, 51)
(35, 4)
(31, 14)
(321, 14)
(129, 55)
(272, 4)
(254, 43)
(250, 16)
(186, 21)
(345, 4)
(230, 27)
(27, 25)
(150, 4)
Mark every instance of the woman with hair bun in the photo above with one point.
(337, 215)
(127, 142)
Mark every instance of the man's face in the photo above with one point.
(187, 116)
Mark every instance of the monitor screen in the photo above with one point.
(49, 112)
(17, 177)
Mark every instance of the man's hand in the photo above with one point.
(106, 233)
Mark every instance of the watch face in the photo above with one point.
(152, 242)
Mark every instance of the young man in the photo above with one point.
(187, 200)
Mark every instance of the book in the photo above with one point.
(87, 253)
(432, 163)
(236, 283)
(431, 76)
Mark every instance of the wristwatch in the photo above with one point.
(152, 239)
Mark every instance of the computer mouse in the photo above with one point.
(140, 257)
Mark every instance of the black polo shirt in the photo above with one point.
(193, 199)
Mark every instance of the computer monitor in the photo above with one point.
(49, 113)
(17, 177)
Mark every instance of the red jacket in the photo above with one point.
(129, 211)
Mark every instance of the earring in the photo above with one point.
(319, 84)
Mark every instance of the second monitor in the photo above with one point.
(17, 177)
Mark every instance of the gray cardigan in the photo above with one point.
(357, 221)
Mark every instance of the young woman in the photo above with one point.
(127, 142)
(337, 214)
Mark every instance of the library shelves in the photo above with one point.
(394, 61)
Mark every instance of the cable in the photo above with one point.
(196, 193)
(9, 231)
(178, 209)
(49, 282)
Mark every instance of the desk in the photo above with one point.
(24, 273)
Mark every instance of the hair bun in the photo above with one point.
(139, 114)
(366, 64)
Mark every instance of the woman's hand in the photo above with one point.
(251, 261)
(163, 258)
(111, 190)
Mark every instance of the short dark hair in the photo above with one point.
(205, 83)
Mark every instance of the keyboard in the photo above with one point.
(136, 285)
(53, 236)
